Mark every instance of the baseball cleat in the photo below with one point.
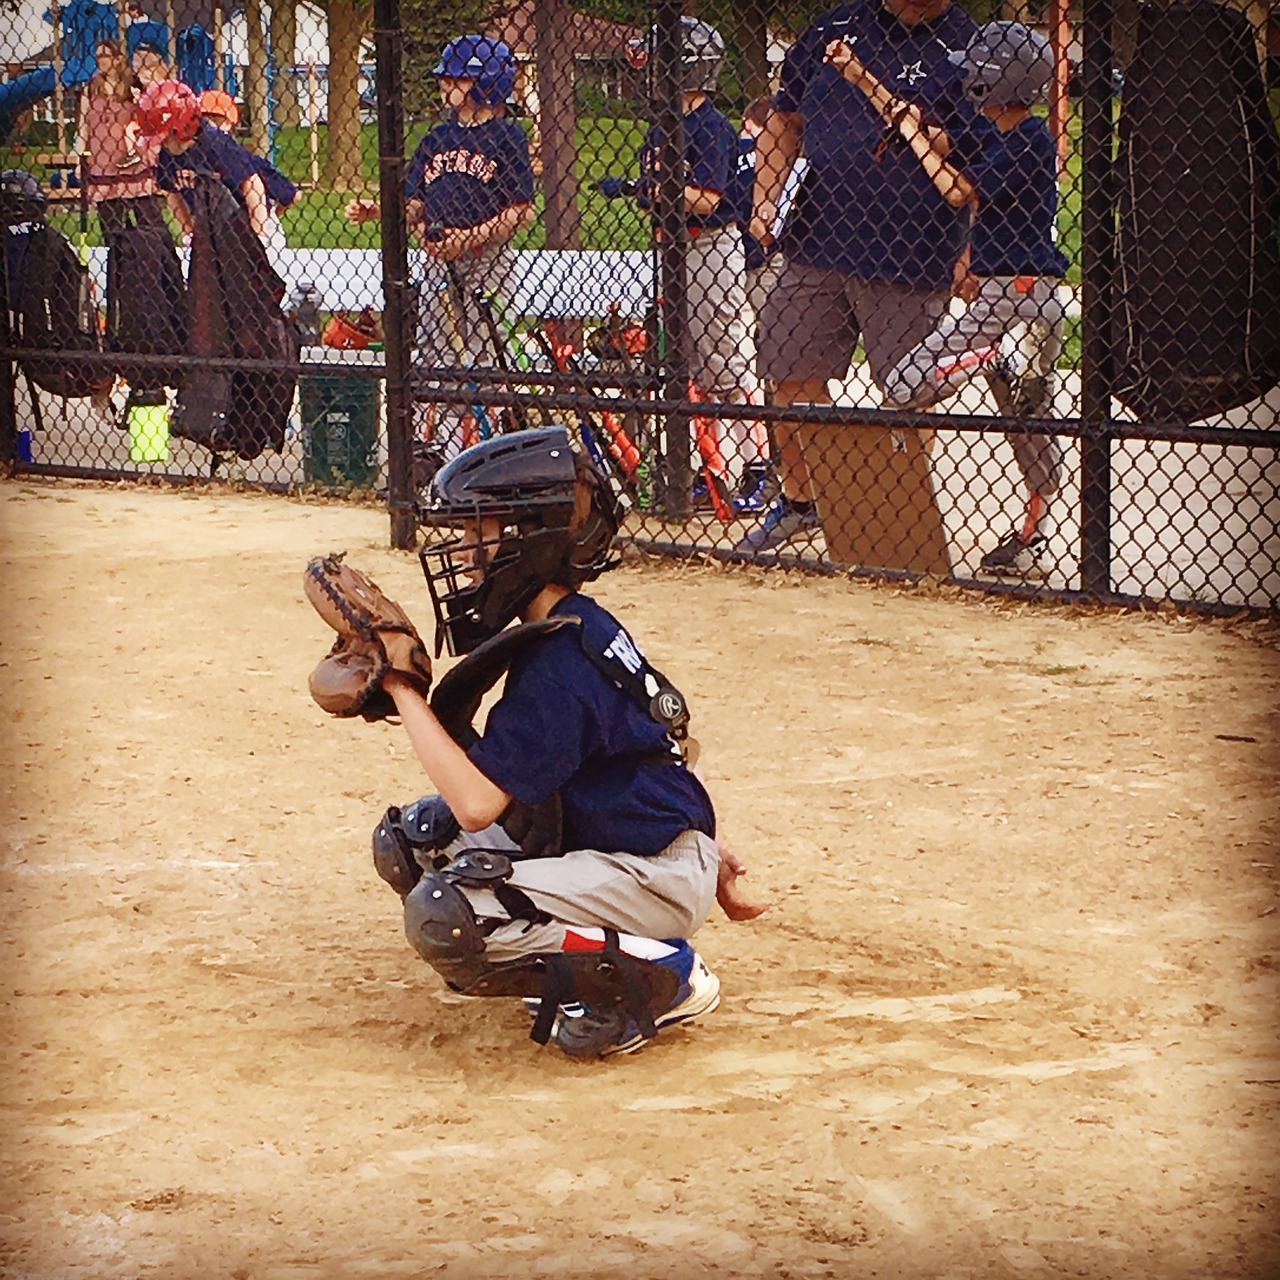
(583, 1032)
(1015, 557)
(782, 524)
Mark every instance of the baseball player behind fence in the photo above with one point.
(169, 113)
(724, 365)
(469, 189)
(871, 248)
(570, 853)
(1011, 332)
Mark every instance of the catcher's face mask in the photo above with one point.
(503, 527)
(481, 579)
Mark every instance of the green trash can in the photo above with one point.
(340, 429)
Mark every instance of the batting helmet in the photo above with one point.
(22, 198)
(168, 108)
(701, 54)
(488, 62)
(556, 521)
(219, 103)
(1005, 63)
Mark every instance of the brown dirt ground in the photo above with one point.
(1013, 1013)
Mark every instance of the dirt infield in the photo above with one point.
(1012, 1014)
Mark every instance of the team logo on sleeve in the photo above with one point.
(912, 73)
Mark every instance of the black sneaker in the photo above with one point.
(582, 1032)
(1015, 557)
(758, 489)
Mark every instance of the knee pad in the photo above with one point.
(426, 826)
(442, 928)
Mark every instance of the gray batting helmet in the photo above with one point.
(701, 54)
(1006, 62)
(22, 197)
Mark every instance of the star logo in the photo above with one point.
(912, 73)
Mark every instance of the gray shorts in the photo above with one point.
(668, 895)
(813, 318)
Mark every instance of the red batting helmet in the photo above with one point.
(169, 107)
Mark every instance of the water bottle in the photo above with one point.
(304, 307)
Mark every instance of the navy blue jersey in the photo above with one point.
(214, 153)
(562, 725)
(710, 160)
(466, 174)
(280, 190)
(1017, 181)
(743, 188)
(867, 207)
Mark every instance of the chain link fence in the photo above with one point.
(903, 287)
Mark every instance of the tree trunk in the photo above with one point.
(284, 46)
(343, 167)
(751, 35)
(255, 87)
(553, 22)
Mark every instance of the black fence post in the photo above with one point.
(8, 367)
(397, 324)
(676, 474)
(1098, 238)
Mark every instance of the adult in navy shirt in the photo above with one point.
(517, 525)
(872, 246)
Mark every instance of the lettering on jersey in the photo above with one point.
(459, 160)
(623, 649)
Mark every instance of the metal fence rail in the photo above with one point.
(927, 371)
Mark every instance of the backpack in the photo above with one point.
(146, 302)
(1198, 281)
(54, 311)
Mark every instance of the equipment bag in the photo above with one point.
(1198, 289)
(53, 310)
(146, 302)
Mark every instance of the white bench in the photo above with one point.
(547, 282)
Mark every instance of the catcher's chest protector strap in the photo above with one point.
(619, 659)
(457, 696)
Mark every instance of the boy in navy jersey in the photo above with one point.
(469, 189)
(724, 365)
(219, 109)
(517, 525)
(1013, 186)
(204, 149)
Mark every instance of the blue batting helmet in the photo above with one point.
(488, 62)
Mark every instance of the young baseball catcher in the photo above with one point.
(1013, 188)
(570, 853)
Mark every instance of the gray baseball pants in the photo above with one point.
(963, 347)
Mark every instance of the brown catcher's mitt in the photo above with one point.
(375, 636)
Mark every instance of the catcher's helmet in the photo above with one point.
(556, 521)
(168, 108)
(1006, 62)
(22, 198)
(487, 61)
(701, 54)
